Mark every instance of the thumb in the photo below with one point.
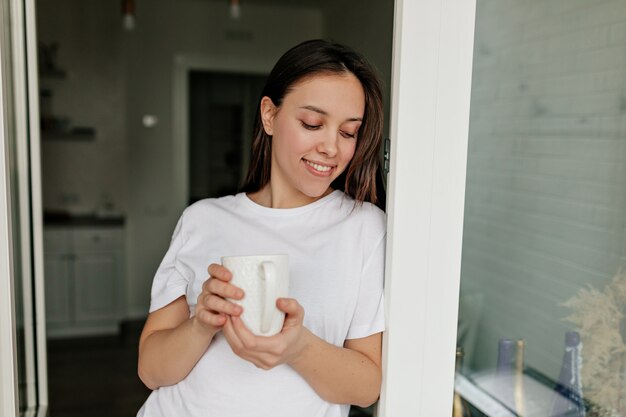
(294, 311)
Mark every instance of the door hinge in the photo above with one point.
(387, 155)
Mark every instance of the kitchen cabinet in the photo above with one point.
(83, 280)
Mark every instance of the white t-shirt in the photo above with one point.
(336, 255)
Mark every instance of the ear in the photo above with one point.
(268, 111)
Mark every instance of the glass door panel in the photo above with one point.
(16, 177)
(15, 275)
(542, 328)
(18, 288)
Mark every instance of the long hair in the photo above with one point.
(359, 179)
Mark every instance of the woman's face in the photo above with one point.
(314, 134)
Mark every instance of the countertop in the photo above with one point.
(63, 218)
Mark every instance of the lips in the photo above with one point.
(318, 168)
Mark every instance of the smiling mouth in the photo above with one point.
(318, 167)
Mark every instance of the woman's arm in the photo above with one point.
(348, 375)
(343, 375)
(171, 342)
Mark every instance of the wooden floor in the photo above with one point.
(97, 377)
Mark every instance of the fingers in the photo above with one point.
(207, 316)
(289, 306)
(232, 337)
(213, 307)
(254, 349)
(219, 284)
(220, 272)
(211, 319)
(219, 305)
(247, 338)
(221, 288)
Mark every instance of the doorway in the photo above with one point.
(222, 108)
(100, 82)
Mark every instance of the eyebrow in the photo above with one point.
(325, 113)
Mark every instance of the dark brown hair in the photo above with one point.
(323, 57)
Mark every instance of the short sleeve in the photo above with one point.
(170, 281)
(369, 315)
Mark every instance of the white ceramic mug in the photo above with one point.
(264, 279)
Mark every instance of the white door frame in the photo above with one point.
(431, 80)
(8, 348)
(36, 204)
(8, 370)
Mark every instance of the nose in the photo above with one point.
(328, 144)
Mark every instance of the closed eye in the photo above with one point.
(347, 134)
(310, 127)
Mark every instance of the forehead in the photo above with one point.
(334, 93)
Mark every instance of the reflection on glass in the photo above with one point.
(18, 284)
(18, 292)
(23, 318)
(21, 348)
(20, 335)
(542, 314)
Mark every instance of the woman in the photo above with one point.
(318, 131)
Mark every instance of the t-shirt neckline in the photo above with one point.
(249, 203)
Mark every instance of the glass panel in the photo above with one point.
(18, 273)
(543, 291)
(19, 306)
(23, 324)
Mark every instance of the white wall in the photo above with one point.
(546, 178)
(77, 174)
(166, 29)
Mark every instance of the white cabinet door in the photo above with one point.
(57, 284)
(84, 284)
(96, 286)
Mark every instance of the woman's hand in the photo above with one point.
(268, 352)
(212, 308)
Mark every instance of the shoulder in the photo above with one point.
(201, 208)
(366, 216)
(195, 216)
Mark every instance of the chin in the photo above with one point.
(315, 192)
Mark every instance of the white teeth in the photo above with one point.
(317, 167)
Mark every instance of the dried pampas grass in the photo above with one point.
(600, 318)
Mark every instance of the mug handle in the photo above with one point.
(269, 305)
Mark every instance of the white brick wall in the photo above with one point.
(546, 183)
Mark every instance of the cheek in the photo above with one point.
(348, 151)
(292, 140)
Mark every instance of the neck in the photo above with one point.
(268, 196)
